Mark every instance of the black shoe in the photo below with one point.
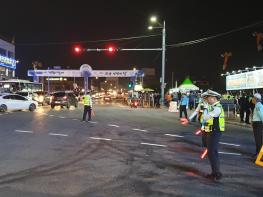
(218, 176)
(210, 176)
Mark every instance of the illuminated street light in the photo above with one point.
(150, 27)
(153, 19)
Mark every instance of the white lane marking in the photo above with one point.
(143, 130)
(173, 135)
(21, 131)
(153, 144)
(99, 138)
(58, 134)
(229, 144)
(51, 115)
(92, 122)
(74, 119)
(1, 114)
(113, 125)
(226, 153)
(61, 117)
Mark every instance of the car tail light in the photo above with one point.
(135, 103)
(65, 97)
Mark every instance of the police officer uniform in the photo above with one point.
(87, 101)
(214, 126)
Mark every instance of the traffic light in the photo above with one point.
(130, 85)
(111, 49)
(77, 49)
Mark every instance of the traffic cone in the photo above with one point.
(259, 160)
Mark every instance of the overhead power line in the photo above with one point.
(86, 41)
(182, 44)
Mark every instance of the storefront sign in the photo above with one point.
(7, 62)
(248, 80)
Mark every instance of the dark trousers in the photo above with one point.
(87, 109)
(247, 115)
(204, 145)
(212, 142)
(191, 105)
(257, 130)
(183, 109)
(242, 111)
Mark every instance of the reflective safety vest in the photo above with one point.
(87, 100)
(217, 123)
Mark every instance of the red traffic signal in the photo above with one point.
(111, 49)
(78, 49)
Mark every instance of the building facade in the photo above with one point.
(7, 60)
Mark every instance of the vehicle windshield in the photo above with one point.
(59, 94)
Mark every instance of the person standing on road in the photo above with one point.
(257, 122)
(242, 106)
(87, 101)
(214, 126)
(184, 105)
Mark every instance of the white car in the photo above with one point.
(11, 102)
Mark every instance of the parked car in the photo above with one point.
(63, 98)
(10, 102)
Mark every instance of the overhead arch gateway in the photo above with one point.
(85, 71)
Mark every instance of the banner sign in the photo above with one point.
(248, 80)
(78, 73)
(7, 62)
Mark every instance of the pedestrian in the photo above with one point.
(257, 122)
(87, 101)
(184, 105)
(179, 96)
(242, 106)
(247, 110)
(191, 100)
(214, 126)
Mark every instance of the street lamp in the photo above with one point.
(153, 19)
(150, 27)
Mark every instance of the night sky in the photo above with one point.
(37, 25)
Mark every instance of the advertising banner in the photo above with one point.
(242, 81)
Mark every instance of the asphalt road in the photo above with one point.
(123, 152)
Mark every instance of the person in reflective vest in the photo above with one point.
(87, 101)
(214, 126)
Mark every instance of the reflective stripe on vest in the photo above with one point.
(221, 120)
(86, 100)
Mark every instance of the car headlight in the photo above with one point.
(41, 98)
